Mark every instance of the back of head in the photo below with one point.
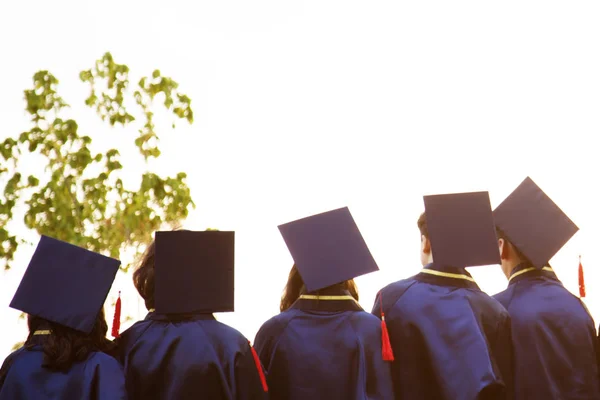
(422, 224)
(425, 244)
(295, 287)
(143, 276)
(63, 346)
(517, 255)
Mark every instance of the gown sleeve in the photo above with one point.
(379, 375)
(6, 366)
(376, 311)
(265, 340)
(105, 379)
(504, 352)
(247, 379)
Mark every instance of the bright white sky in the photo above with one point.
(306, 106)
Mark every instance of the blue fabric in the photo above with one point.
(99, 377)
(195, 357)
(323, 349)
(554, 338)
(450, 340)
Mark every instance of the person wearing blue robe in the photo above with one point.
(66, 355)
(556, 352)
(451, 341)
(180, 351)
(323, 345)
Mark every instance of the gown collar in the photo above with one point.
(331, 300)
(154, 316)
(525, 271)
(446, 276)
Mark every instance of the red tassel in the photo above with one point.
(116, 327)
(581, 280)
(263, 380)
(386, 347)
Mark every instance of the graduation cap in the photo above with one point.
(461, 229)
(194, 272)
(327, 248)
(65, 284)
(533, 223)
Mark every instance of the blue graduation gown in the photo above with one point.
(554, 338)
(192, 358)
(99, 377)
(324, 349)
(450, 340)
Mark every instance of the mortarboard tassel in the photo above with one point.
(386, 347)
(581, 280)
(116, 326)
(263, 380)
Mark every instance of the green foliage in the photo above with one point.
(79, 195)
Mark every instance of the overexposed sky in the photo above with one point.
(306, 106)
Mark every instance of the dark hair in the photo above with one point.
(64, 346)
(501, 235)
(295, 286)
(422, 224)
(143, 276)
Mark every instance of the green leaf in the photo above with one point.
(32, 181)
(83, 199)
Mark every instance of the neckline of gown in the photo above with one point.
(446, 276)
(328, 302)
(525, 271)
(154, 316)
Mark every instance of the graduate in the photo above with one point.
(65, 355)
(553, 333)
(180, 351)
(450, 340)
(323, 345)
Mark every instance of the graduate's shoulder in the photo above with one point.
(98, 359)
(488, 304)
(395, 289)
(365, 318)
(138, 326)
(133, 333)
(18, 356)
(278, 322)
(504, 297)
(226, 332)
(365, 322)
(391, 293)
(15, 354)
(529, 299)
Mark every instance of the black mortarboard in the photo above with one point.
(461, 229)
(194, 272)
(533, 223)
(65, 284)
(327, 248)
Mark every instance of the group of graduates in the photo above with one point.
(435, 335)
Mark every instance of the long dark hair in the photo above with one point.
(295, 287)
(64, 346)
(143, 276)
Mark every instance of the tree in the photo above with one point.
(80, 197)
